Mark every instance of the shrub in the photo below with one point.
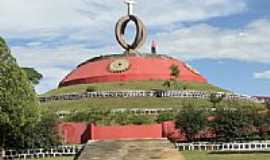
(165, 116)
(90, 89)
(87, 116)
(260, 121)
(140, 119)
(122, 118)
(191, 121)
(106, 117)
(44, 134)
(215, 99)
(167, 84)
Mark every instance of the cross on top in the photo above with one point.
(130, 4)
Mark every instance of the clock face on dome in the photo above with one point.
(119, 65)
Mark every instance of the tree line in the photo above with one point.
(22, 123)
(225, 124)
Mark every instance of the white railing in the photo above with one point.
(69, 150)
(141, 93)
(99, 94)
(136, 111)
(234, 147)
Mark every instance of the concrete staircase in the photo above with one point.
(126, 150)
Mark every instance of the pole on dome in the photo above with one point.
(154, 47)
(130, 4)
(130, 48)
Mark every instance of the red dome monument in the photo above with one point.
(130, 66)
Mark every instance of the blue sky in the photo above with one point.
(226, 40)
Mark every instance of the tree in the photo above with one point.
(18, 102)
(5, 56)
(174, 71)
(33, 75)
(44, 134)
(167, 84)
(215, 99)
(267, 105)
(261, 122)
(191, 121)
(232, 125)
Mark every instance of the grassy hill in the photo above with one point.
(138, 102)
(132, 85)
(135, 102)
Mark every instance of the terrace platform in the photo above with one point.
(130, 150)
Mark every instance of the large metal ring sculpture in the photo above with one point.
(140, 33)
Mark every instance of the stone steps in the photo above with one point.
(125, 150)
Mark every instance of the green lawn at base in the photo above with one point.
(58, 158)
(138, 102)
(131, 85)
(196, 155)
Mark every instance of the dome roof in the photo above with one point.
(114, 68)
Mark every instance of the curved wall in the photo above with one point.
(140, 68)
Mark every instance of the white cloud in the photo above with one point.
(53, 17)
(56, 35)
(250, 43)
(262, 75)
(55, 63)
(170, 11)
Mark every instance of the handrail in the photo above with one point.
(143, 93)
(65, 150)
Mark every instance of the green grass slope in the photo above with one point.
(132, 85)
(135, 102)
(139, 102)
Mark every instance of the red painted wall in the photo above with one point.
(71, 133)
(141, 68)
(77, 133)
(169, 131)
(153, 131)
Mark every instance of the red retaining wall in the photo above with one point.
(71, 133)
(153, 131)
(76, 133)
(169, 131)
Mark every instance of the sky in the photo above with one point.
(228, 41)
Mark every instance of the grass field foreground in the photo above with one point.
(196, 155)
(59, 158)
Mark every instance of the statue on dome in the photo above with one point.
(132, 65)
(140, 30)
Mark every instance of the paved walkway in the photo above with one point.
(131, 150)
